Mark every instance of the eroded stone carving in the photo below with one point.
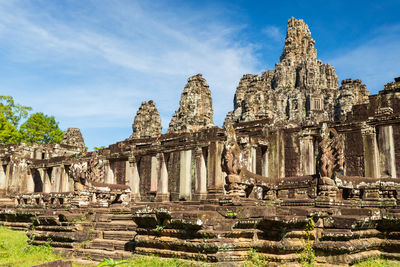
(73, 137)
(147, 123)
(352, 92)
(300, 88)
(195, 108)
(232, 164)
(330, 159)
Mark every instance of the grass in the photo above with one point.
(14, 250)
(378, 262)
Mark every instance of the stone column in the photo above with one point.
(371, 155)
(307, 155)
(276, 155)
(108, 173)
(46, 180)
(162, 188)
(253, 159)
(185, 175)
(30, 185)
(387, 162)
(215, 176)
(264, 161)
(155, 170)
(201, 175)
(56, 179)
(64, 180)
(132, 174)
(3, 177)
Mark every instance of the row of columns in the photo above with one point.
(192, 162)
(379, 155)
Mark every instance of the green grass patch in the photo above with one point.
(152, 261)
(378, 262)
(14, 250)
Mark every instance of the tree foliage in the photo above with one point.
(8, 132)
(40, 128)
(11, 111)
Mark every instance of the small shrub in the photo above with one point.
(230, 214)
(307, 255)
(254, 259)
(111, 263)
(160, 227)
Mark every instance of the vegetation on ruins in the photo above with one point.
(14, 250)
(38, 128)
(307, 255)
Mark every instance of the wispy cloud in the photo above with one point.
(96, 75)
(376, 62)
(274, 33)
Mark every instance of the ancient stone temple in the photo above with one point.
(299, 162)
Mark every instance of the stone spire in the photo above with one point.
(147, 123)
(300, 88)
(298, 42)
(195, 108)
(73, 137)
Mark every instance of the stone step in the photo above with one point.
(116, 226)
(53, 243)
(17, 226)
(111, 245)
(99, 254)
(119, 235)
(122, 217)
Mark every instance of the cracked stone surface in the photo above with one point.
(73, 137)
(299, 88)
(195, 108)
(352, 92)
(147, 122)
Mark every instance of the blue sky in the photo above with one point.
(91, 63)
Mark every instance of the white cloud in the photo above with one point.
(376, 62)
(118, 57)
(274, 33)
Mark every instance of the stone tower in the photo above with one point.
(147, 123)
(300, 87)
(195, 108)
(73, 137)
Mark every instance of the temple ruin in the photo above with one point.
(299, 148)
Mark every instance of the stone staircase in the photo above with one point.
(115, 233)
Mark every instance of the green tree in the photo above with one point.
(40, 128)
(8, 132)
(11, 111)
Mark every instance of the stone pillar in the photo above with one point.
(30, 185)
(155, 170)
(276, 155)
(56, 179)
(162, 187)
(108, 173)
(64, 187)
(185, 175)
(201, 175)
(253, 159)
(264, 161)
(134, 180)
(132, 174)
(46, 180)
(371, 155)
(215, 176)
(3, 178)
(387, 162)
(307, 162)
